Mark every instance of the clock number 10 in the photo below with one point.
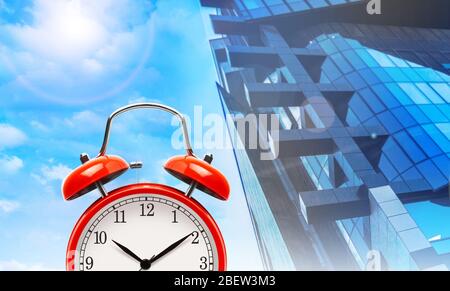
(100, 238)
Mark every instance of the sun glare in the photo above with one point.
(69, 42)
(78, 29)
(70, 30)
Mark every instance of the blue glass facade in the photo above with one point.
(268, 232)
(267, 8)
(410, 101)
(364, 147)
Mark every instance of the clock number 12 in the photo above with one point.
(147, 210)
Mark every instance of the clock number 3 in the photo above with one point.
(204, 263)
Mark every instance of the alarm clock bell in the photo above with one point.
(200, 175)
(94, 174)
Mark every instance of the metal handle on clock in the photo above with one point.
(156, 106)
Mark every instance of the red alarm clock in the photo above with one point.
(146, 226)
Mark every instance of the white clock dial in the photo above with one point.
(146, 232)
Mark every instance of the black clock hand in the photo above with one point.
(128, 252)
(169, 249)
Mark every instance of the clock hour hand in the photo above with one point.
(169, 249)
(128, 252)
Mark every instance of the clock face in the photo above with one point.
(146, 232)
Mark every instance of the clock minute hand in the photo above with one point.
(128, 252)
(169, 249)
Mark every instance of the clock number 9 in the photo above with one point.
(147, 210)
(204, 263)
(89, 263)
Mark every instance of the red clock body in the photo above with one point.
(146, 218)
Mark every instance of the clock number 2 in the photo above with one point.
(195, 241)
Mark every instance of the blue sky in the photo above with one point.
(65, 65)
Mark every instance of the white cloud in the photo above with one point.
(39, 179)
(71, 30)
(55, 173)
(7, 206)
(10, 136)
(173, 17)
(92, 66)
(50, 174)
(4, 7)
(10, 165)
(137, 97)
(86, 49)
(14, 265)
(85, 121)
(39, 126)
(176, 20)
(63, 31)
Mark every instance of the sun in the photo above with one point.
(66, 43)
(64, 30)
(78, 30)
(74, 30)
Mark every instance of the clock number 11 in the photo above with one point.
(120, 217)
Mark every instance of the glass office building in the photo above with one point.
(360, 178)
